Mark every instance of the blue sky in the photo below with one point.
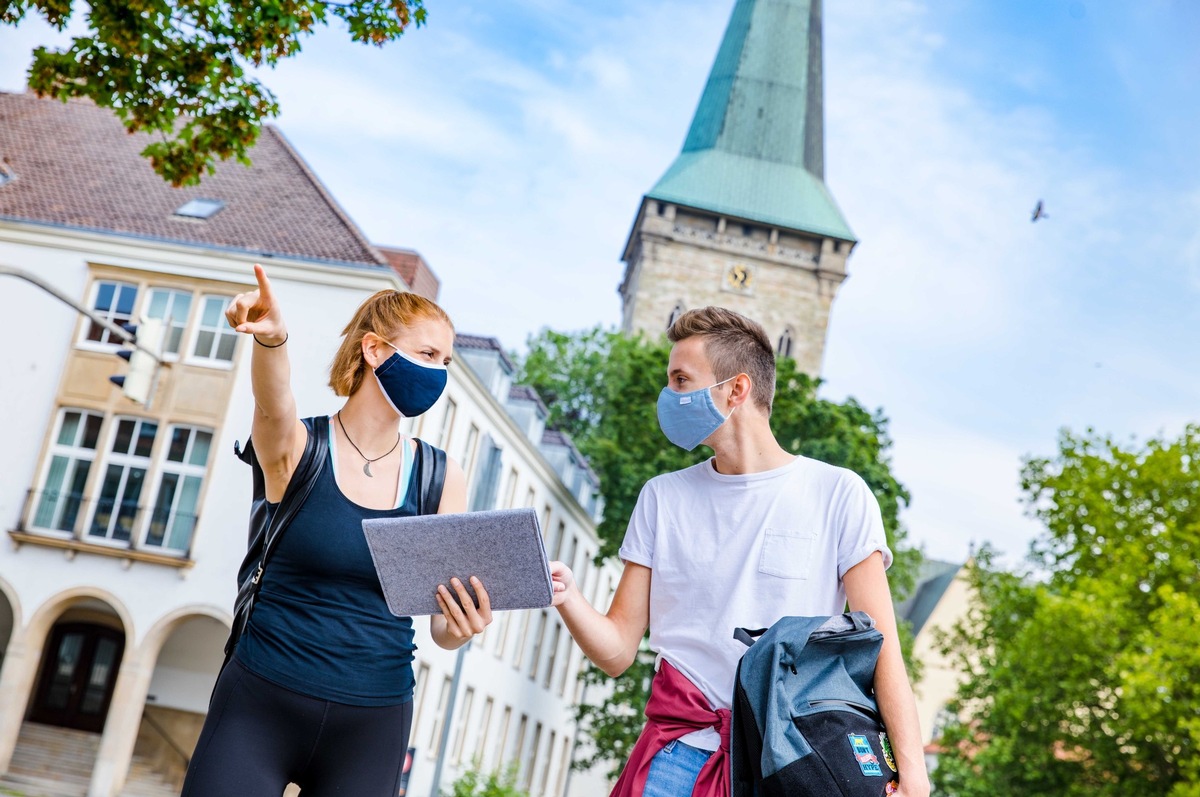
(511, 143)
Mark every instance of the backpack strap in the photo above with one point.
(267, 526)
(431, 466)
(304, 478)
(748, 636)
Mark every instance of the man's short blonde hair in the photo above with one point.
(384, 313)
(734, 344)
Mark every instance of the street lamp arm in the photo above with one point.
(96, 319)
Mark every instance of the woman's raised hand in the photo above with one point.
(257, 313)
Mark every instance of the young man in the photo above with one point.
(752, 535)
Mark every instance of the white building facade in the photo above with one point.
(125, 523)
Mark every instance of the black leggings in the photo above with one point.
(258, 737)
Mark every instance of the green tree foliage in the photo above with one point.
(612, 727)
(602, 389)
(178, 68)
(1083, 673)
(474, 783)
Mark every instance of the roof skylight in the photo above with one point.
(200, 208)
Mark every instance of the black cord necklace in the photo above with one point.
(367, 464)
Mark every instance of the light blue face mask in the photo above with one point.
(687, 419)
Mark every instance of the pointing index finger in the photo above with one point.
(264, 284)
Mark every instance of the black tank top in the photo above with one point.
(320, 625)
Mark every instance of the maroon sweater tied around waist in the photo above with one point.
(676, 708)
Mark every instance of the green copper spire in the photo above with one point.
(755, 149)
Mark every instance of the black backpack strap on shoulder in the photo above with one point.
(431, 465)
(267, 528)
(304, 478)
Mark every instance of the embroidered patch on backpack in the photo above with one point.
(868, 762)
(885, 744)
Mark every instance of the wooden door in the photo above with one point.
(79, 670)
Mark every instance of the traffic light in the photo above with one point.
(138, 383)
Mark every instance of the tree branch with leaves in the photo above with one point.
(183, 70)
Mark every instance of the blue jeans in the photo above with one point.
(674, 769)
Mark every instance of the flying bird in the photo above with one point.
(1039, 212)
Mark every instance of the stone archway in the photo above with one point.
(10, 619)
(57, 686)
(185, 651)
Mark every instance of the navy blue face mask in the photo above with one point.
(410, 386)
(687, 419)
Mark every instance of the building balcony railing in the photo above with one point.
(106, 527)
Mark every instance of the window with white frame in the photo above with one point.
(443, 437)
(419, 697)
(215, 339)
(522, 637)
(555, 549)
(435, 736)
(565, 767)
(502, 633)
(460, 732)
(113, 301)
(487, 475)
(545, 777)
(126, 465)
(502, 735)
(520, 745)
(569, 665)
(511, 501)
(485, 724)
(552, 656)
(173, 518)
(539, 638)
(527, 783)
(569, 561)
(173, 308)
(71, 458)
(468, 455)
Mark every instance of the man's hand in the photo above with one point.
(911, 788)
(258, 313)
(562, 580)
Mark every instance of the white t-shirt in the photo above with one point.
(741, 551)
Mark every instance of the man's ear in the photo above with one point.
(739, 390)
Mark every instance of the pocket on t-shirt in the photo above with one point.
(786, 553)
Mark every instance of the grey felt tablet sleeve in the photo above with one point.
(503, 547)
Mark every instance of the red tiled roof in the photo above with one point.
(413, 269)
(73, 164)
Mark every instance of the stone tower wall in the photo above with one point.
(681, 258)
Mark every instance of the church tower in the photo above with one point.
(742, 218)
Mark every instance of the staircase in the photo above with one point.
(146, 781)
(57, 762)
(51, 762)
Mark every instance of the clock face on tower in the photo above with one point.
(739, 278)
